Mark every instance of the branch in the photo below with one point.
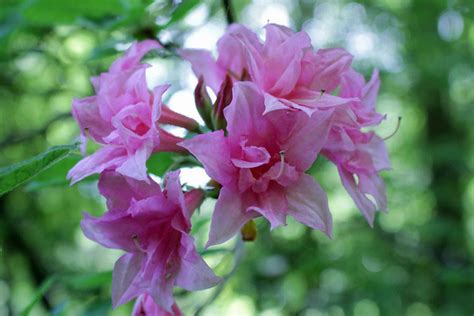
(229, 12)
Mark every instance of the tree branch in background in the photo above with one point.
(13, 138)
(229, 12)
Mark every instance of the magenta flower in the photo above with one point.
(285, 67)
(153, 228)
(359, 156)
(145, 306)
(123, 118)
(261, 165)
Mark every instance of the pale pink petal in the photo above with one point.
(203, 64)
(288, 79)
(366, 206)
(378, 152)
(133, 55)
(213, 151)
(252, 157)
(371, 90)
(145, 306)
(194, 273)
(120, 190)
(308, 204)
(272, 205)
(126, 271)
(244, 114)
(306, 138)
(328, 65)
(352, 84)
(113, 230)
(103, 159)
(174, 192)
(373, 185)
(86, 113)
(157, 105)
(276, 34)
(192, 199)
(228, 218)
(135, 165)
(233, 48)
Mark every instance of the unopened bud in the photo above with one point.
(224, 97)
(203, 102)
(249, 231)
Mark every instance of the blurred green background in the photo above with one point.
(417, 260)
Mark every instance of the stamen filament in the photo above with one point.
(137, 243)
(396, 129)
(282, 163)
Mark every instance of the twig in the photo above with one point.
(229, 12)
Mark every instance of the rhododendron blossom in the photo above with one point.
(261, 164)
(123, 118)
(280, 104)
(152, 227)
(359, 156)
(285, 67)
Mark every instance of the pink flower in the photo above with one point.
(359, 156)
(123, 118)
(145, 306)
(153, 228)
(285, 67)
(261, 165)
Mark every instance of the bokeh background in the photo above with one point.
(416, 261)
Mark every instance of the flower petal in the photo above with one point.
(228, 218)
(213, 151)
(126, 271)
(308, 204)
(194, 273)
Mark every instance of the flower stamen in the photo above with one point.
(396, 129)
(282, 163)
(137, 243)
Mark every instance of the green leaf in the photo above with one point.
(180, 12)
(53, 12)
(159, 163)
(16, 174)
(56, 175)
(89, 281)
(45, 286)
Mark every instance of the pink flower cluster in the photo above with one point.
(280, 104)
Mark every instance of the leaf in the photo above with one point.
(159, 163)
(53, 12)
(180, 12)
(45, 286)
(89, 281)
(16, 174)
(56, 175)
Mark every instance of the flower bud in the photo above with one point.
(203, 102)
(249, 231)
(224, 97)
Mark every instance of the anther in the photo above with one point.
(282, 163)
(396, 129)
(137, 243)
(322, 93)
